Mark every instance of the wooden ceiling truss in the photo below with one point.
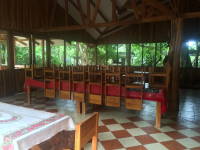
(143, 11)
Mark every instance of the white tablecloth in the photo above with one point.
(22, 128)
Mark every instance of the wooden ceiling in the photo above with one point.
(103, 17)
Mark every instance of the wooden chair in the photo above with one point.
(78, 76)
(65, 76)
(135, 104)
(34, 72)
(50, 76)
(93, 98)
(111, 100)
(164, 84)
(85, 131)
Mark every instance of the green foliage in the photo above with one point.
(22, 55)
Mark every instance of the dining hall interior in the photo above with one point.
(99, 74)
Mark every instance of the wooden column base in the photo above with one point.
(158, 114)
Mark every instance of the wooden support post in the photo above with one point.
(30, 52)
(14, 49)
(158, 114)
(106, 54)
(43, 63)
(95, 54)
(29, 94)
(117, 54)
(10, 50)
(6, 52)
(48, 52)
(87, 56)
(77, 53)
(33, 50)
(174, 55)
(79, 107)
(64, 53)
(0, 55)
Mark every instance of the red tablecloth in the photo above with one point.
(96, 89)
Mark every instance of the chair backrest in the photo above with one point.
(85, 131)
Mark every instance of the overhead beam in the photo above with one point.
(150, 13)
(117, 8)
(88, 11)
(20, 41)
(40, 13)
(53, 13)
(134, 7)
(95, 11)
(124, 6)
(98, 25)
(113, 10)
(161, 7)
(191, 15)
(99, 12)
(75, 6)
(81, 12)
(66, 13)
(143, 9)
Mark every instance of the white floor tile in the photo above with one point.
(114, 127)
(136, 132)
(189, 133)
(166, 128)
(104, 136)
(189, 124)
(188, 142)
(141, 124)
(161, 137)
(129, 142)
(155, 146)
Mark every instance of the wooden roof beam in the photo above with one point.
(20, 41)
(88, 11)
(95, 11)
(81, 12)
(161, 7)
(40, 13)
(124, 6)
(143, 9)
(66, 13)
(75, 6)
(150, 13)
(113, 10)
(134, 7)
(53, 13)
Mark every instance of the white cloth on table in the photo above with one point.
(15, 118)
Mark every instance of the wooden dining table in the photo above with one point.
(156, 95)
(25, 128)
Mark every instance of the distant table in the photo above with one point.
(22, 128)
(148, 94)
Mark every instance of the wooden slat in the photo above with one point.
(134, 7)
(161, 7)
(40, 12)
(81, 11)
(47, 13)
(95, 11)
(53, 13)
(191, 15)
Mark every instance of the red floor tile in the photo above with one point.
(196, 148)
(128, 125)
(175, 135)
(173, 145)
(121, 134)
(40, 108)
(145, 139)
(179, 120)
(136, 148)
(135, 118)
(112, 144)
(150, 130)
(197, 138)
(109, 121)
(102, 129)
(52, 110)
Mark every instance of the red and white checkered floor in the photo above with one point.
(128, 129)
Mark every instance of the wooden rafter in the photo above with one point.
(40, 13)
(75, 6)
(143, 9)
(98, 25)
(95, 11)
(99, 12)
(150, 13)
(66, 13)
(53, 13)
(134, 7)
(124, 6)
(113, 10)
(81, 12)
(47, 13)
(88, 11)
(20, 41)
(161, 7)
(117, 8)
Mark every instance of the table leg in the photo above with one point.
(158, 114)
(83, 107)
(29, 94)
(79, 107)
